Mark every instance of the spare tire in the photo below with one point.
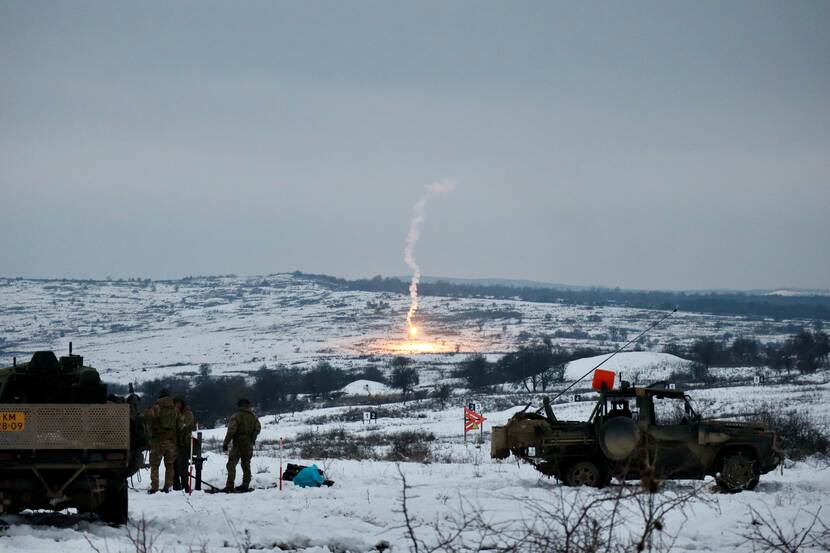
(618, 438)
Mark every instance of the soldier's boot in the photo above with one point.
(246, 482)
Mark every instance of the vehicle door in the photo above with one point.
(672, 436)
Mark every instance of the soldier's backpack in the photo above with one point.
(293, 471)
(309, 477)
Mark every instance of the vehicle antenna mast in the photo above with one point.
(651, 327)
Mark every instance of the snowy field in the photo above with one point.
(135, 331)
(362, 511)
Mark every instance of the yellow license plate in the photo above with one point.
(12, 421)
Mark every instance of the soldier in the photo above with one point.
(243, 428)
(186, 427)
(164, 422)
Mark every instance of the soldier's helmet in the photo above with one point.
(243, 402)
(164, 392)
(179, 399)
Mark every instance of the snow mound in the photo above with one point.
(365, 388)
(637, 367)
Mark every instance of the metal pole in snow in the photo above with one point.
(481, 427)
(280, 463)
(199, 461)
(190, 464)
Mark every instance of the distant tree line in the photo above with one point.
(278, 390)
(805, 352)
(535, 367)
(720, 303)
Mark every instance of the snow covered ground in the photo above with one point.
(365, 388)
(136, 331)
(363, 509)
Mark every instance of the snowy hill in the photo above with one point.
(139, 330)
(365, 388)
(637, 367)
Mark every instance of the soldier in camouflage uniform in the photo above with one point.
(243, 428)
(164, 422)
(186, 428)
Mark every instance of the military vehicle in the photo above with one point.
(63, 441)
(639, 432)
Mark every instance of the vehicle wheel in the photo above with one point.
(738, 472)
(585, 473)
(114, 508)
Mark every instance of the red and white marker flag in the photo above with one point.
(472, 420)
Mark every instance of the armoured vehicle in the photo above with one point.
(639, 432)
(63, 441)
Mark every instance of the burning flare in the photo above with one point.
(435, 189)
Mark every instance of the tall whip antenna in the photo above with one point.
(598, 365)
(640, 335)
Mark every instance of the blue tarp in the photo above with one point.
(309, 476)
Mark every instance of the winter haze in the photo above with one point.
(643, 145)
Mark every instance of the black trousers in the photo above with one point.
(180, 480)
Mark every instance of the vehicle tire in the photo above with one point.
(738, 472)
(585, 473)
(114, 509)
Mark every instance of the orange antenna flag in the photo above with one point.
(603, 379)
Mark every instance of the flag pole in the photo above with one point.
(280, 463)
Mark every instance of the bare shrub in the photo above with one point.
(621, 518)
(334, 444)
(340, 444)
(798, 436)
(768, 535)
(139, 533)
(410, 446)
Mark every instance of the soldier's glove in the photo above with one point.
(224, 447)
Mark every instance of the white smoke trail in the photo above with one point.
(435, 189)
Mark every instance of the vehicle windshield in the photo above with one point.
(673, 410)
(617, 406)
(692, 411)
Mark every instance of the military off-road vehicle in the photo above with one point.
(635, 432)
(63, 441)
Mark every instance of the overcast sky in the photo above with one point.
(648, 145)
